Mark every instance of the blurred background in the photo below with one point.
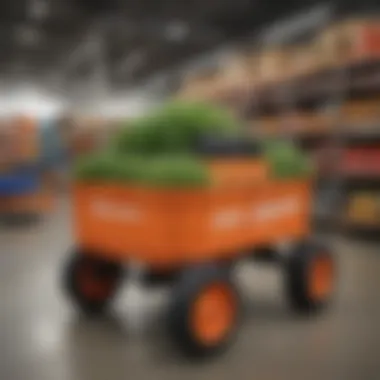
(72, 72)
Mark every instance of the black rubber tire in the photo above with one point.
(191, 282)
(102, 270)
(296, 277)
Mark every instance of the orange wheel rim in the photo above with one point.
(93, 286)
(321, 277)
(214, 313)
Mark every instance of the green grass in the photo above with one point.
(286, 161)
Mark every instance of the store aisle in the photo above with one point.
(43, 339)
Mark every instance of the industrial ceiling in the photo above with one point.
(124, 41)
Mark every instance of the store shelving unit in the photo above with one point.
(313, 109)
(23, 191)
(360, 142)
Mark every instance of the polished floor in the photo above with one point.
(42, 338)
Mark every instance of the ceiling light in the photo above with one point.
(176, 31)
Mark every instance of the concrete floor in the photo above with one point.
(42, 338)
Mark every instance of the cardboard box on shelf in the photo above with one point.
(365, 35)
(361, 113)
(27, 139)
(39, 202)
(200, 86)
(304, 60)
(84, 141)
(253, 67)
(363, 207)
(275, 65)
(312, 122)
(19, 143)
(234, 81)
(363, 107)
(321, 122)
(236, 70)
(361, 161)
(268, 126)
(297, 122)
(329, 46)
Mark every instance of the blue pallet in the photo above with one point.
(18, 183)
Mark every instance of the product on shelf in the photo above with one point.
(235, 72)
(296, 122)
(274, 65)
(267, 126)
(201, 86)
(253, 68)
(311, 122)
(39, 202)
(342, 43)
(19, 143)
(6, 149)
(364, 208)
(86, 135)
(361, 161)
(359, 114)
(22, 190)
(304, 60)
(350, 41)
(27, 136)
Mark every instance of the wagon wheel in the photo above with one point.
(310, 277)
(204, 312)
(91, 283)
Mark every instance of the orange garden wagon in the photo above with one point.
(193, 237)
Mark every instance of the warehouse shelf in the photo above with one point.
(370, 136)
(312, 88)
(363, 180)
(367, 231)
(334, 89)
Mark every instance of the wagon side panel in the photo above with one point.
(109, 220)
(279, 211)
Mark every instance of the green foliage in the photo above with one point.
(174, 128)
(286, 161)
(176, 171)
(94, 167)
(156, 150)
(166, 171)
(110, 167)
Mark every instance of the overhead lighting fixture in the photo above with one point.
(176, 31)
(38, 9)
